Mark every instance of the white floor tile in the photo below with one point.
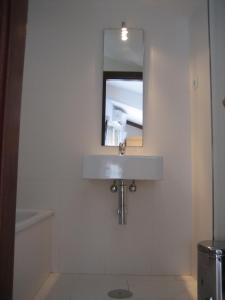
(96, 287)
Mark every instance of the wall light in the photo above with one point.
(124, 32)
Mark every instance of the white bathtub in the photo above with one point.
(33, 251)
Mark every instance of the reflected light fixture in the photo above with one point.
(124, 32)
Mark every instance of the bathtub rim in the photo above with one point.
(40, 215)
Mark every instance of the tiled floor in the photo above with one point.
(96, 287)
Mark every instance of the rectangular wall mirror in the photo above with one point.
(122, 112)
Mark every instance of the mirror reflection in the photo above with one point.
(122, 118)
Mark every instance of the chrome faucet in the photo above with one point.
(122, 148)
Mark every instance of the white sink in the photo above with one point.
(123, 167)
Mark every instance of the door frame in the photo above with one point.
(217, 47)
(13, 20)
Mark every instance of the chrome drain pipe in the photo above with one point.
(121, 188)
(122, 211)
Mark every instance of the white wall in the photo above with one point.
(200, 130)
(61, 121)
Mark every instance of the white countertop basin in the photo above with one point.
(123, 167)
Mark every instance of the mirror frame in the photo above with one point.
(116, 75)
